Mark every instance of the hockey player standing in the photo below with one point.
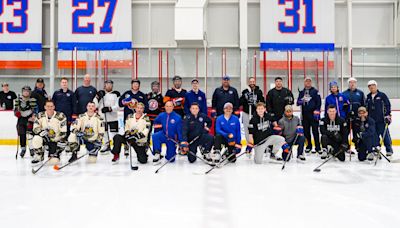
(168, 130)
(223, 95)
(195, 96)
(335, 134)
(250, 97)
(262, 135)
(130, 98)
(88, 128)
(137, 130)
(155, 101)
(310, 102)
(50, 129)
(83, 95)
(197, 124)
(356, 98)
(365, 137)
(227, 132)
(379, 109)
(278, 97)
(40, 94)
(107, 105)
(25, 109)
(63, 101)
(177, 95)
(292, 128)
(338, 100)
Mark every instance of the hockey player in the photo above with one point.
(264, 133)
(197, 124)
(310, 101)
(195, 96)
(168, 130)
(155, 101)
(40, 94)
(130, 98)
(107, 105)
(379, 109)
(82, 96)
(292, 128)
(250, 97)
(137, 130)
(338, 100)
(222, 95)
(50, 129)
(88, 129)
(356, 98)
(177, 95)
(25, 109)
(335, 134)
(365, 136)
(227, 132)
(63, 101)
(277, 98)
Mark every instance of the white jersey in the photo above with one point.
(141, 124)
(55, 125)
(91, 126)
(109, 100)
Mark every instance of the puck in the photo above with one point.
(317, 170)
(134, 167)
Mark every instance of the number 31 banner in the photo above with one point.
(297, 25)
(94, 24)
(20, 34)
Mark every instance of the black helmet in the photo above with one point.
(27, 88)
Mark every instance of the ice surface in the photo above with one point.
(349, 194)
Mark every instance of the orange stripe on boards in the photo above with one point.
(114, 64)
(20, 64)
(296, 65)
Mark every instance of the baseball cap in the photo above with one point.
(333, 83)
(228, 104)
(362, 109)
(135, 81)
(195, 80)
(39, 80)
(372, 82)
(351, 79)
(226, 77)
(308, 78)
(108, 82)
(176, 77)
(4, 84)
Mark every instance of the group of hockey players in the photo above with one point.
(180, 120)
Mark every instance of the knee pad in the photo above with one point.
(37, 142)
(73, 147)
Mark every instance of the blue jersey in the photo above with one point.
(199, 97)
(64, 102)
(378, 107)
(225, 127)
(356, 99)
(340, 102)
(170, 124)
(309, 100)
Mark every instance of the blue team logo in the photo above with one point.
(366, 125)
(68, 95)
(201, 119)
(230, 92)
(199, 98)
(172, 121)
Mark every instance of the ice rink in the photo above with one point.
(349, 194)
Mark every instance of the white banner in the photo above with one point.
(94, 24)
(301, 25)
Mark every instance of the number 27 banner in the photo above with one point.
(94, 24)
(20, 34)
(297, 25)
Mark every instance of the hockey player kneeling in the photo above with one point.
(263, 133)
(365, 136)
(197, 125)
(335, 134)
(50, 131)
(137, 129)
(168, 130)
(227, 132)
(89, 130)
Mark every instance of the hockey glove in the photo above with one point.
(17, 114)
(388, 119)
(184, 147)
(100, 94)
(249, 148)
(299, 130)
(317, 115)
(285, 148)
(237, 149)
(106, 109)
(213, 113)
(277, 130)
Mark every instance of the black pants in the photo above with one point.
(205, 140)
(326, 140)
(219, 140)
(310, 123)
(23, 127)
(140, 150)
(364, 146)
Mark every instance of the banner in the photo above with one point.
(94, 24)
(298, 25)
(20, 34)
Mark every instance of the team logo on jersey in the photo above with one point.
(340, 98)
(52, 133)
(172, 121)
(88, 131)
(199, 98)
(366, 125)
(68, 95)
(127, 95)
(9, 97)
(153, 104)
(230, 92)
(201, 119)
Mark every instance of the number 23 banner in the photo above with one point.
(297, 25)
(94, 24)
(20, 34)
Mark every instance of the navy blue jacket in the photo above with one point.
(378, 107)
(41, 97)
(139, 97)
(82, 96)
(221, 96)
(64, 102)
(309, 100)
(368, 132)
(170, 125)
(200, 98)
(356, 99)
(340, 102)
(195, 126)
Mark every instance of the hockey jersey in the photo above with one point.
(199, 97)
(91, 126)
(55, 125)
(155, 105)
(170, 124)
(340, 102)
(178, 98)
(109, 100)
(26, 106)
(133, 98)
(141, 124)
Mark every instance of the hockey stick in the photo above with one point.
(290, 152)
(130, 160)
(323, 163)
(169, 160)
(56, 167)
(41, 166)
(380, 152)
(222, 162)
(200, 158)
(16, 154)
(351, 132)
